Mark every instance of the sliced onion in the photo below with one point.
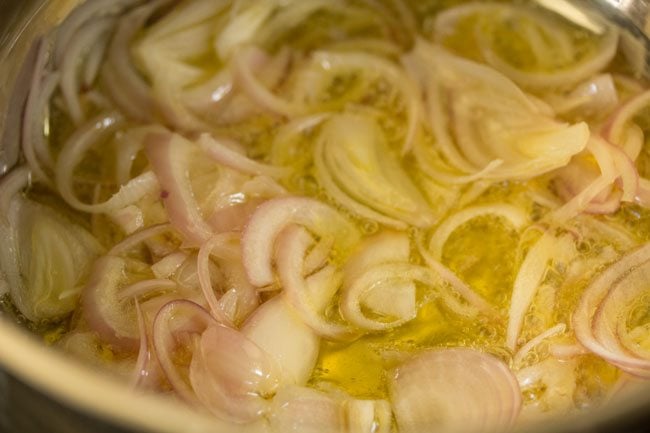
(125, 85)
(554, 41)
(231, 375)
(380, 183)
(502, 130)
(255, 88)
(456, 283)
(176, 322)
(203, 271)
(93, 34)
(386, 289)
(169, 156)
(145, 287)
(166, 266)
(291, 252)
(592, 297)
(531, 273)
(10, 185)
(234, 217)
(130, 218)
(277, 329)
(534, 342)
(375, 65)
(514, 215)
(42, 87)
(10, 139)
(305, 410)
(593, 97)
(273, 216)
(457, 390)
(557, 380)
(114, 320)
(222, 153)
(384, 247)
(138, 238)
(567, 351)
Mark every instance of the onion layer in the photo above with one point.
(455, 390)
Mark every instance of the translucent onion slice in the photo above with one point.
(454, 390)
(225, 372)
(92, 36)
(514, 215)
(306, 410)
(231, 375)
(46, 257)
(484, 124)
(387, 290)
(593, 97)
(277, 329)
(74, 149)
(534, 342)
(546, 41)
(126, 86)
(203, 271)
(390, 297)
(112, 317)
(291, 251)
(531, 272)
(273, 216)
(583, 320)
(222, 153)
(169, 156)
(353, 152)
(374, 65)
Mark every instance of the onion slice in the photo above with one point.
(291, 251)
(277, 329)
(169, 156)
(588, 313)
(273, 216)
(454, 390)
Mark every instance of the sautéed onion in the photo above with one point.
(335, 215)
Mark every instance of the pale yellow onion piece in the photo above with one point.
(92, 133)
(291, 248)
(597, 291)
(167, 265)
(534, 342)
(610, 170)
(47, 258)
(548, 39)
(547, 249)
(231, 375)
(352, 150)
(514, 215)
(375, 65)
(609, 324)
(391, 297)
(606, 52)
(459, 286)
(273, 216)
(557, 379)
(384, 247)
(305, 410)
(242, 27)
(454, 390)
(184, 16)
(225, 153)
(277, 329)
(509, 127)
(378, 286)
